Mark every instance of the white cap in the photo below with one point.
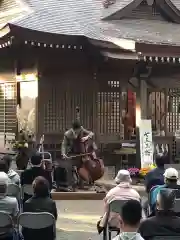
(4, 178)
(171, 173)
(123, 176)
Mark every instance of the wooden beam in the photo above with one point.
(157, 50)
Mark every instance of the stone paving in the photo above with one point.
(137, 187)
(77, 219)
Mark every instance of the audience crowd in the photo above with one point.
(136, 219)
(132, 219)
(40, 181)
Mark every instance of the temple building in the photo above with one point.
(109, 58)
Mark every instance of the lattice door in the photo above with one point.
(8, 120)
(164, 110)
(58, 102)
(109, 112)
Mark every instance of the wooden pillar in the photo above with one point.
(143, 98)
(138, 114)
(142, 72)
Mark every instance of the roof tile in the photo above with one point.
(83, 18)
(176, 3)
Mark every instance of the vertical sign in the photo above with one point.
(146, 144)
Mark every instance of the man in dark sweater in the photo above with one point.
(156, 175)
(165, 222)
(28, 176)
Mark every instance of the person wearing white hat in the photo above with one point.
(123, 191)
(7, 204)
(123, 176)
(171, 177)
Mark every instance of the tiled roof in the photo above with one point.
(176, 3)
(10, 10)
(83, 18)
(117, 6)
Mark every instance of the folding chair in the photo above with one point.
(6, 226)
(19, 172)
(115, 207)
(37, 221)
(177, 206)
(27, 189)
(150, 206)
(13, 190)
(43, 153)
(46, 156)
(26, 192)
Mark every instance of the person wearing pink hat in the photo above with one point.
(123, 191)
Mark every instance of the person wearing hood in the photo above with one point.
(129, 223)
(7, 204)
(13, 176)
(123, 191)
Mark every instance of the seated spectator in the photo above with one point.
(13, 176)
(129, 223)
(156, 175)
(171, 178)
(123, 191)
(40, 202)
(28, 176)
(165, 222)
(4, 168)
(7, 204)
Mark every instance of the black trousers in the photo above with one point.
(63, 173)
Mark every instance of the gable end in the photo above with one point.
(146, 11)
(162, 10)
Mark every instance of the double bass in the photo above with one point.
(91, 168)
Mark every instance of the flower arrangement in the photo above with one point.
(22, 142)
(17, 145)
(145, 170)
(136, 172)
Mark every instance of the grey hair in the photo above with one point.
(166, 199)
